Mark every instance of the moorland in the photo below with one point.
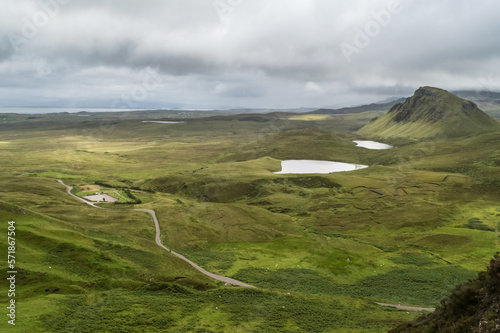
(321, 250)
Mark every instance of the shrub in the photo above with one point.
(477, 224)
(476, 303)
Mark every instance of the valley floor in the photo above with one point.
(321, 250)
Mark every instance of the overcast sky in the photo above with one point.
(242, 53)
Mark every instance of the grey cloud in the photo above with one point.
(260, 52)
(6, 50)
(237, 90)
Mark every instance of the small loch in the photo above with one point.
(372, 144)
(316, 166)
(163, 122)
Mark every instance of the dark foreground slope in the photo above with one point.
(431, 113)
(472, 307)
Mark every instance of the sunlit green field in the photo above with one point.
(321, 249)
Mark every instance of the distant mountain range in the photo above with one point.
(488, 101)
(477, 95)
(362, 108)
(430, 112)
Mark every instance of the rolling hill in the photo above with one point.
(321, 249)
(430, 113)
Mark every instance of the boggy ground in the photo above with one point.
(320, 248)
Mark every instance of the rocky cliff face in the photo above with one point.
(432, 105)
(431, 112)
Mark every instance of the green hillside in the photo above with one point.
(321, 249)
(430, 113)
(472, 307)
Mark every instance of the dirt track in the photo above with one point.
(225, 279)
(406, 307)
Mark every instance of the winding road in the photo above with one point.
(406, 307)
(228, 281)
(68, 190)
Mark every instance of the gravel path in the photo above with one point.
(406, 307)
(227, 280)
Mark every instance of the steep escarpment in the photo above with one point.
(431, 113)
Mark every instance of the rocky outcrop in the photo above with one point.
(431, 112)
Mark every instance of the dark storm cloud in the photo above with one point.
(5, 50)
(246, 52)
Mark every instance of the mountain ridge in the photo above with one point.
(359, 109)
(430, 113)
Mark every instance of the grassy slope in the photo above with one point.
(393, 232)
(471, 307)
(452, 122)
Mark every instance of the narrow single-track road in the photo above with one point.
(68, 190)
(406, 307)
(227, 280)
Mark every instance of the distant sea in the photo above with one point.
(21, 110)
